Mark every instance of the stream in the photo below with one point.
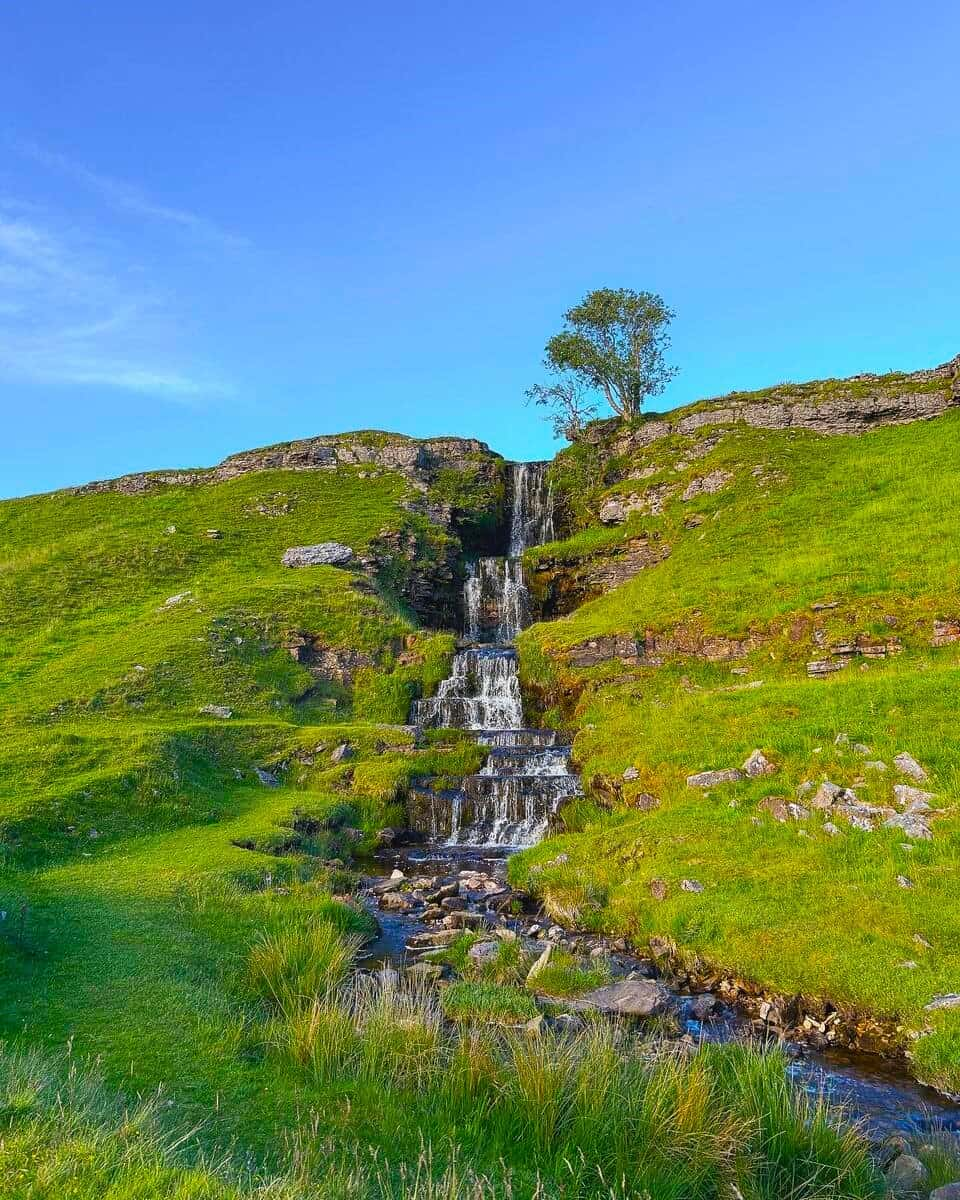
(456, 878)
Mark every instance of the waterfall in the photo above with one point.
(483, 692)
(526, 777)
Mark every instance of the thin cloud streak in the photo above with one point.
(128, 198)
(68, 318)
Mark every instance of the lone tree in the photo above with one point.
(613, 341)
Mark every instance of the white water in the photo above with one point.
(526, 777)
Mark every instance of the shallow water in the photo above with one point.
(878, 1094)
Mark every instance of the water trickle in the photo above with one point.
(527, 775)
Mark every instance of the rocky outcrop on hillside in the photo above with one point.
(419, 461)
(830, 407)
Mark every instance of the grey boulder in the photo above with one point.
(326, 554)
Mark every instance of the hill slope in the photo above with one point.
(779, 590)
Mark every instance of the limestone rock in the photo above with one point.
(906, 764)
(342, 753)
(946, 1001)
(217, 710)
(911, 799)
(912, 824)
(483, 953)
(631, 773)
(826, 795)
(328, 554)
(949, 1191)
(758, 764)
(905, 1175)
(691, 885)
(708, 779)
(658, 889)
(627, 998)
(707, 485)
(539, 965)
(267, 778)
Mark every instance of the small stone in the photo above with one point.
(395, 902)
(342, 753)
(397, 874)
(905, 882)
(463, 920)
(534, 1027)
(862, 750)
(691, 885)
(798, 813)
(949, 1191)
(631, 773)
(909, 965)
(214, 534)
(922, 941)
(173, 601)
(830, 829)
(842, 739)
(217, 710)
(658, 889)
(758, 764)
(267, 778)
(905, 1174)
(708, 779)
(906, 764)
(628, 998)
(875, 765)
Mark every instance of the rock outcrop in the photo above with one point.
(831, 406)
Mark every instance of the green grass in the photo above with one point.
(858, 521)
(500, 1003)
(565, 975)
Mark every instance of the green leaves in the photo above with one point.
(613, 341)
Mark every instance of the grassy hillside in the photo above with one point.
(806, 544)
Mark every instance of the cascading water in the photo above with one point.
(526, 777)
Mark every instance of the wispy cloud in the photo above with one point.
(127, 197)
(69, 314)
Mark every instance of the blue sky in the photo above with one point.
(229, 224)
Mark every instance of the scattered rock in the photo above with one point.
(325, 554)
(708, 779)
(699, 1008)
(911, 799)
(826, 795)
(758, 764)
(342, 753)
(173, 601)
(912, 824)
(905, 1174)
(830, 828)
(658, 889)
(776, 806)
(483, 953)
(824, 605)
(217, 710)
(904, 882)
(820, 667)
(948, 1000)
(395, 902)
(706, 485)
(949, 1191)
(906, 764)
(691, 885)
(631, 773)
(875, 765)
(267, 778)
(425, 972)
(627, 998)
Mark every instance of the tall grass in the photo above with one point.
(578, 1114)
(300, 963)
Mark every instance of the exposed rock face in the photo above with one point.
(558, 588)
(833, 406)
(653, 649)
(329, 554)
(419, 461)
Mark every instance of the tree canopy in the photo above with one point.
(614, 342)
